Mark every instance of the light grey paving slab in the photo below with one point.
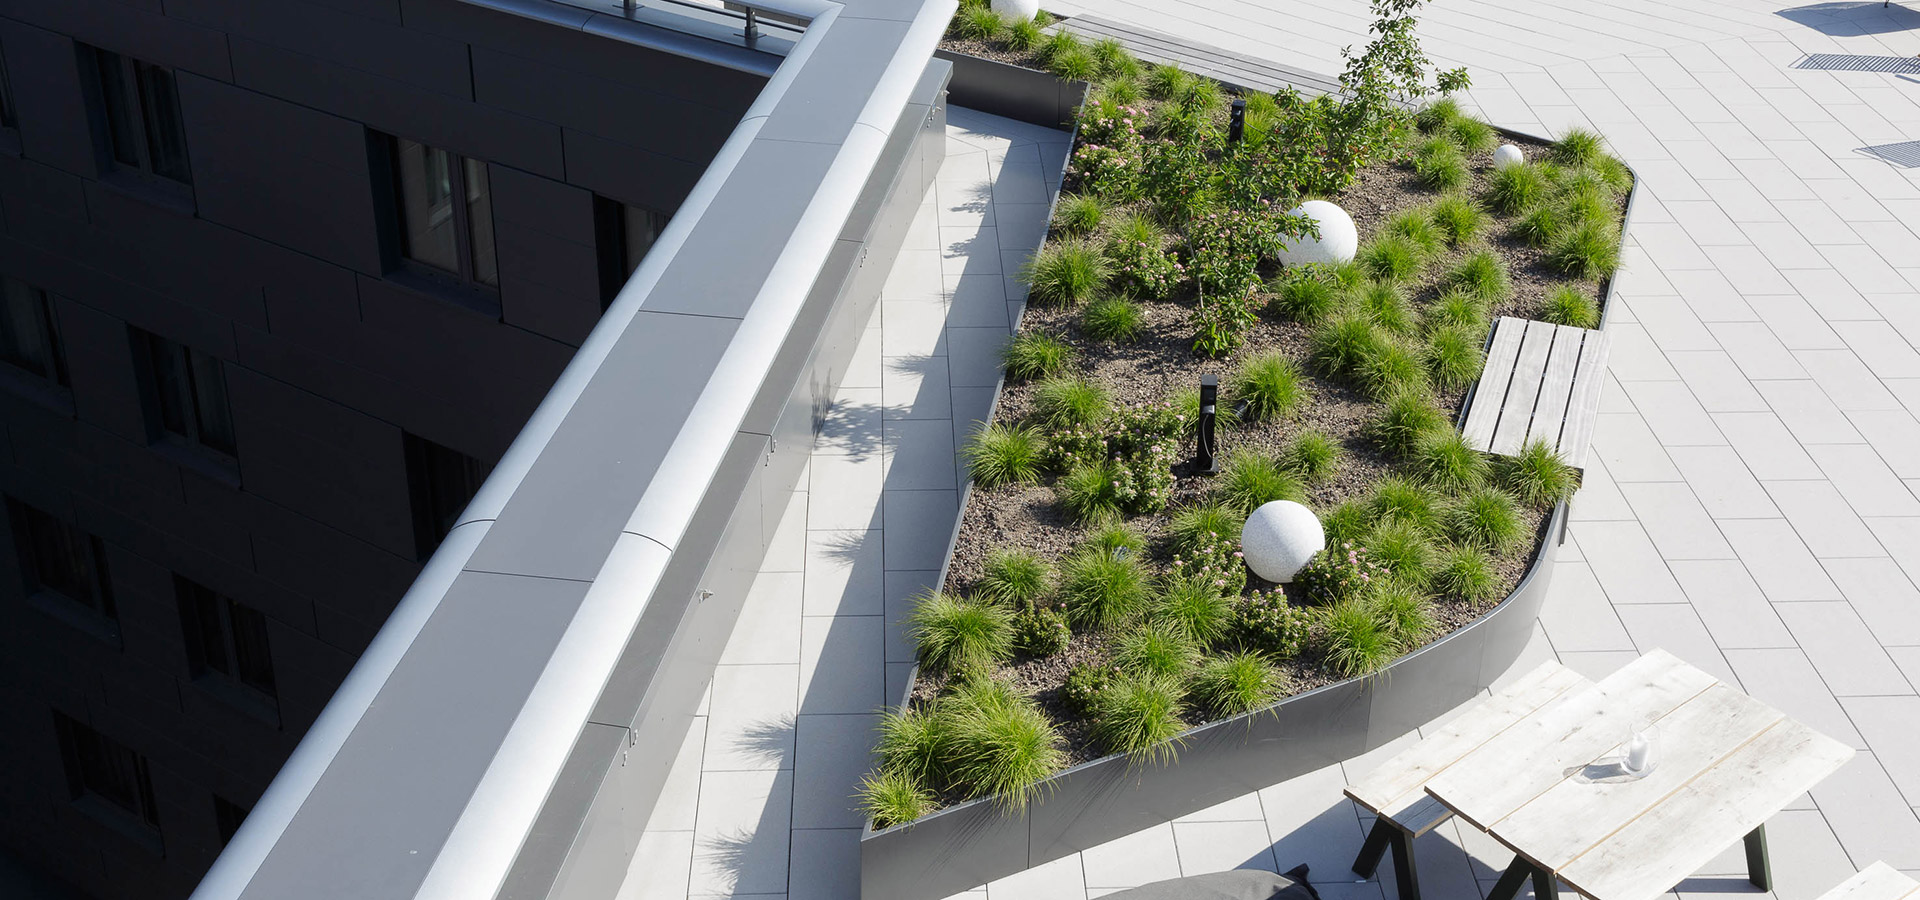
(1576, 614)
(1787, 680)
(1630, 450)
(1733, 608)
(660, 866)
(975, 356)
(1674, 415)
(1847, 380)
(920, 455)
(1867, 813)
(1756, 350)
(1670, 322)
(832, 752)
(844, 492)
(1633, 355)
(1133, 860)
(1766, 446)
(1885, 598)
(1717, 383)
(825, 864)
(1891, 726)
(1721, 480)
(768, 631)
(1676, 628)
(679, 803)
(1807, 412)
(1676, 521)
(1221, 846)
(1626, 563)
(1901, 537)
(750, 718)
(977, 301)
(1599, 498)
(843, 572)
(1865, 480)
(1244, 808)
(864, 368)
(1895, 435)
(1779, 560)
(1830, 295)
(1311, 822)
(904, 590)
(1795, 322)
(1062, 877)
(842, 664)
(851, 426)
(914, 327)
(741, 844)
(920, 526)
(1841, 647)
(914, 387)
(1823, 519)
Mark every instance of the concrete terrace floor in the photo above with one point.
(1752, 509)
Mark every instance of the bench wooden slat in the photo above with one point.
(1878, 881)
(1395, 789)
(1658, 850)
(1483, 411)
(1516, 413)
(1583, 407)
(1240, 70)
(1556, 387)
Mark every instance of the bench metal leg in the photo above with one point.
(1404, 877)
(1368, 861)
(1759, 867)
(1545, 886)
(1508, 887)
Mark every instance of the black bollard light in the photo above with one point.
(1209, 392)
(1237, 122)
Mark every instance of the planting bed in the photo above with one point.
(1094, 602)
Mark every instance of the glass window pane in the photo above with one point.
(8, 118)
(166, 132)
(211, 410)
(170, 387)
(642, 228)
(122, 115)
(26, 330)
(253, 664)
(426, 210)
(486, 268)
(204, 607)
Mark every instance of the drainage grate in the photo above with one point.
(1904, 154)
(1847, 62)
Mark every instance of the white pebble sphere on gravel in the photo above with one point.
(1280, 538)
(1507, 155)
(1017, 10)
(1337, 241)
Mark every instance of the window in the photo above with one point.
(225, 640)
(228, 816)
(625, 234)
(445, 213)
(187, 394)
(442, 480)
(101, 768)
(29, 333)
(139, 125)
(9, 118)
(60, 560)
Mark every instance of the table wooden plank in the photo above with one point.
(1672, 841)
(1556, 387)
(1558, 826)
(1483, 412)
(1877, 881)
(1527, 760)
(1397, 783)
(1583, 407)
(1516, 413)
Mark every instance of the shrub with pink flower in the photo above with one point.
(1264, 621)
(1337, 573)
(1138, 444)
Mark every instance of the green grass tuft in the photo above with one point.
(1302, 297)
(1515, 188)
(1065, 273)
(1236, 683)
(1167, 82)
(1019, 579)
(1578, 147)
(1418, 227)
(1458, 309)
(1404, 612)
(1454, 357)
(1141, 716)
(915, 742)
(1444, 459)
(1486, 518)
(1268, 386)
(1569, 306)
(1398, 500)
(1537, 476)
(1483, 276)
(1194, 608)
(1078, 215)
(1437, 116)
(1114, 319)
(1002, 745)
(1110, 54)
(1440, 165)
(1346, 523)
(1005, 454)
(1250, 480)
(980, 23)
(1340, 346)
(894, 798)
(1466, 573)
(1542, 225)
(1156, 651)
(1116, 539)
(1313, 456)
(1023, 36)
(1458, 219)
(1070, 402)
(1391, 257)
(1089, 492)
(1390, 370)
(1036, 354)
(1403, 550)
(1472, 135)
(1194, 527)
(1073, 64)
(1357, 642)
(1386, 306)
(1408, 416)
(953, 635)
(1100, 590)
(1589, 249)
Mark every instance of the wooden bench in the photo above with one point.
(1878, 881)
(1396, 791)
(1234, 70)
(1541, 383)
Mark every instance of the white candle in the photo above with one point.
(1637, 749)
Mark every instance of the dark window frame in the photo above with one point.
(618, 229)
(228, 649)
(441, 481)
(135, 106)
(228, 816)
(9, 113)
(475, 275)
(82, 596)
(42, 367)
(108, 779)
(186, 399)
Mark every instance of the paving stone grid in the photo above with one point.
(1751, 506)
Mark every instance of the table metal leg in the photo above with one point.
(1508, 887)
(1759, 867)
(1404, 877)
(1545, 886)
(1368, 861)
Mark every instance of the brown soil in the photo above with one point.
(1162, 362)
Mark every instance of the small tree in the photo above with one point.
(1391, 77)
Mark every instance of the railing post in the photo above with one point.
(753, 25)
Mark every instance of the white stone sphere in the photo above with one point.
(1507, 155)
(1337, 241)
(1016, 10)
(1280, 538)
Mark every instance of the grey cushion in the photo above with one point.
(1240, 884)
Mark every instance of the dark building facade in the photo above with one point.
(281, 282)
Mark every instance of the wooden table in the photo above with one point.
(1550, 788)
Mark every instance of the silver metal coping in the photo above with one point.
(475, 858)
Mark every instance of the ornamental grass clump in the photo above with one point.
(1100, 590)
(1195, 527)
(1357, 642)
(1445, 460)
(1458, 219)
(954, 636)
(1195, 608)
(1157, 651)
(1236, 683)
(1023, 36)
(1346, 523)
(1408, 416)
(1541, 225)
(1483, 276)
(1404, 611)
(1536, 476)
(1467, 574)
(1114, 319)
(1313, 456)
(1472, 135)
(1036, 354)
(1168, 82)
(1115, 538)
(1090, 491)
(1071, 402)
(1391, 369)
(1457, 309)
(893, 798)
(1578, 147)
(1454, 357)
(1066, 273)
(980, 23)
(1141, 716)
(1486, 518)
(1268, 386)
(1386, 306)
(1339, 347)
(1005, 454)
(1078, 215)
(1391, 257)
(1301, 296)
(1590, 249)
(1002, 745)
(1566, 305)
(1405, 502)
(1073, 64)
(1512, 189)
(916, 742)
(1440, 165)
(1403, 551)
(1111, 55)
(1418, 227)
(1019, 579)
(1141, 265)
(1436, 116)
(1250, 480)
